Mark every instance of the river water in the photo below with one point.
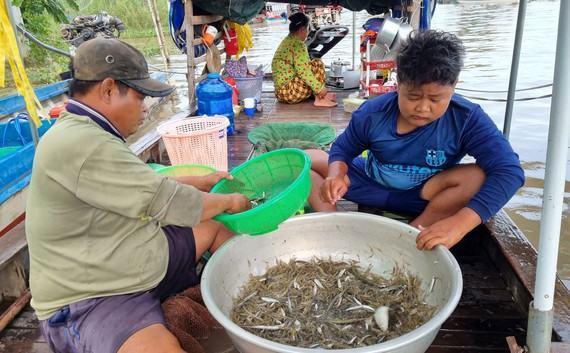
(487, 29)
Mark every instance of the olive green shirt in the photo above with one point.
(292, 60)
(94, 215)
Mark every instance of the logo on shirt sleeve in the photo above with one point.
(435, 158)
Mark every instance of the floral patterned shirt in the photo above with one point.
(292, 59)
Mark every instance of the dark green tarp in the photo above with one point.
(242, 11)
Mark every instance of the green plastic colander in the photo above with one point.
(281, 178)
(186, 170)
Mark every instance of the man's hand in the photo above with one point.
(448, 231)
(208, 181)
(334, 188)
(204, 183)
(238, 203)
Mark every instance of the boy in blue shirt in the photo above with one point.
(416, 137)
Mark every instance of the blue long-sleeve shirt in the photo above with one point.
(403, 161)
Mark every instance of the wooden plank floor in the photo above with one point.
(486, 314)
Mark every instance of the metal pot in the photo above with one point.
(401, 38)
(387, 32)
(338, 67)
(371, 240)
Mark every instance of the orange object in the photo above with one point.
(209, 34)
(55, 111)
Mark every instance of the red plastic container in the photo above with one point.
(231, 43)
(55, 111)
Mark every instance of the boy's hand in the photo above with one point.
(238, 203)
(334, 188)
(441, 232)
(448, 231)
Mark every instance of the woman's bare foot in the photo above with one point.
(324, 102)
(331, 96)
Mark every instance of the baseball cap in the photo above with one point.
(100, 58)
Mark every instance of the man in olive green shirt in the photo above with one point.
(109, 238)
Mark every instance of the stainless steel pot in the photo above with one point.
(371, 240)
(338, 67)
(387, 32)
(401, 38)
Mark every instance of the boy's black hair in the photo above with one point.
(297, 20)
(430, 57)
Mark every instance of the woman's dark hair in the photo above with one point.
(430, 57)
(298, 20)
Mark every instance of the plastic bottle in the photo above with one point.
(215, 98)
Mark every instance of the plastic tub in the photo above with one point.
(197, 140)
(249, 87)
(342, 236)
(186, 170)
(283, 175)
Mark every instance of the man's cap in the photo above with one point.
(100, 58)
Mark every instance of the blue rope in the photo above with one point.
(16, 121)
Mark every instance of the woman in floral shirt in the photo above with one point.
(296, 76)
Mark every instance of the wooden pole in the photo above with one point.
(158, 30)
(188, 16)
(14, 309)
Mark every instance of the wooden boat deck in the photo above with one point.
(489, 308)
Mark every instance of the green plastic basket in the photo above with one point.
(283, 175)
(156, 166)
(186, 170)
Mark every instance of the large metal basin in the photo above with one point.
(374, 240)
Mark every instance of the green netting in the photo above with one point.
(279, 182)
(303, 135)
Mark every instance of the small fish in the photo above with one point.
(357, 301)
(266, 327)
(434, 278)
(269, 300)
(289, 304)
(390, 288)
(318, 283)
(359, 307)
(341, 273)
(363, 339)
(352, 340)
(297, 324)
(338, 283)
(247, 298)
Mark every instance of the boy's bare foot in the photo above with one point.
(324, 102)
(331, 96)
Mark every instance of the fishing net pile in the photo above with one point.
(188, 319)
(330, 304)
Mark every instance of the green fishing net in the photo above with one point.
(303, 135)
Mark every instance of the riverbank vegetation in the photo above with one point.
(43, 19)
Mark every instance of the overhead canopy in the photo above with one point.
(242, 11)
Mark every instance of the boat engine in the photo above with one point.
(84, 28)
